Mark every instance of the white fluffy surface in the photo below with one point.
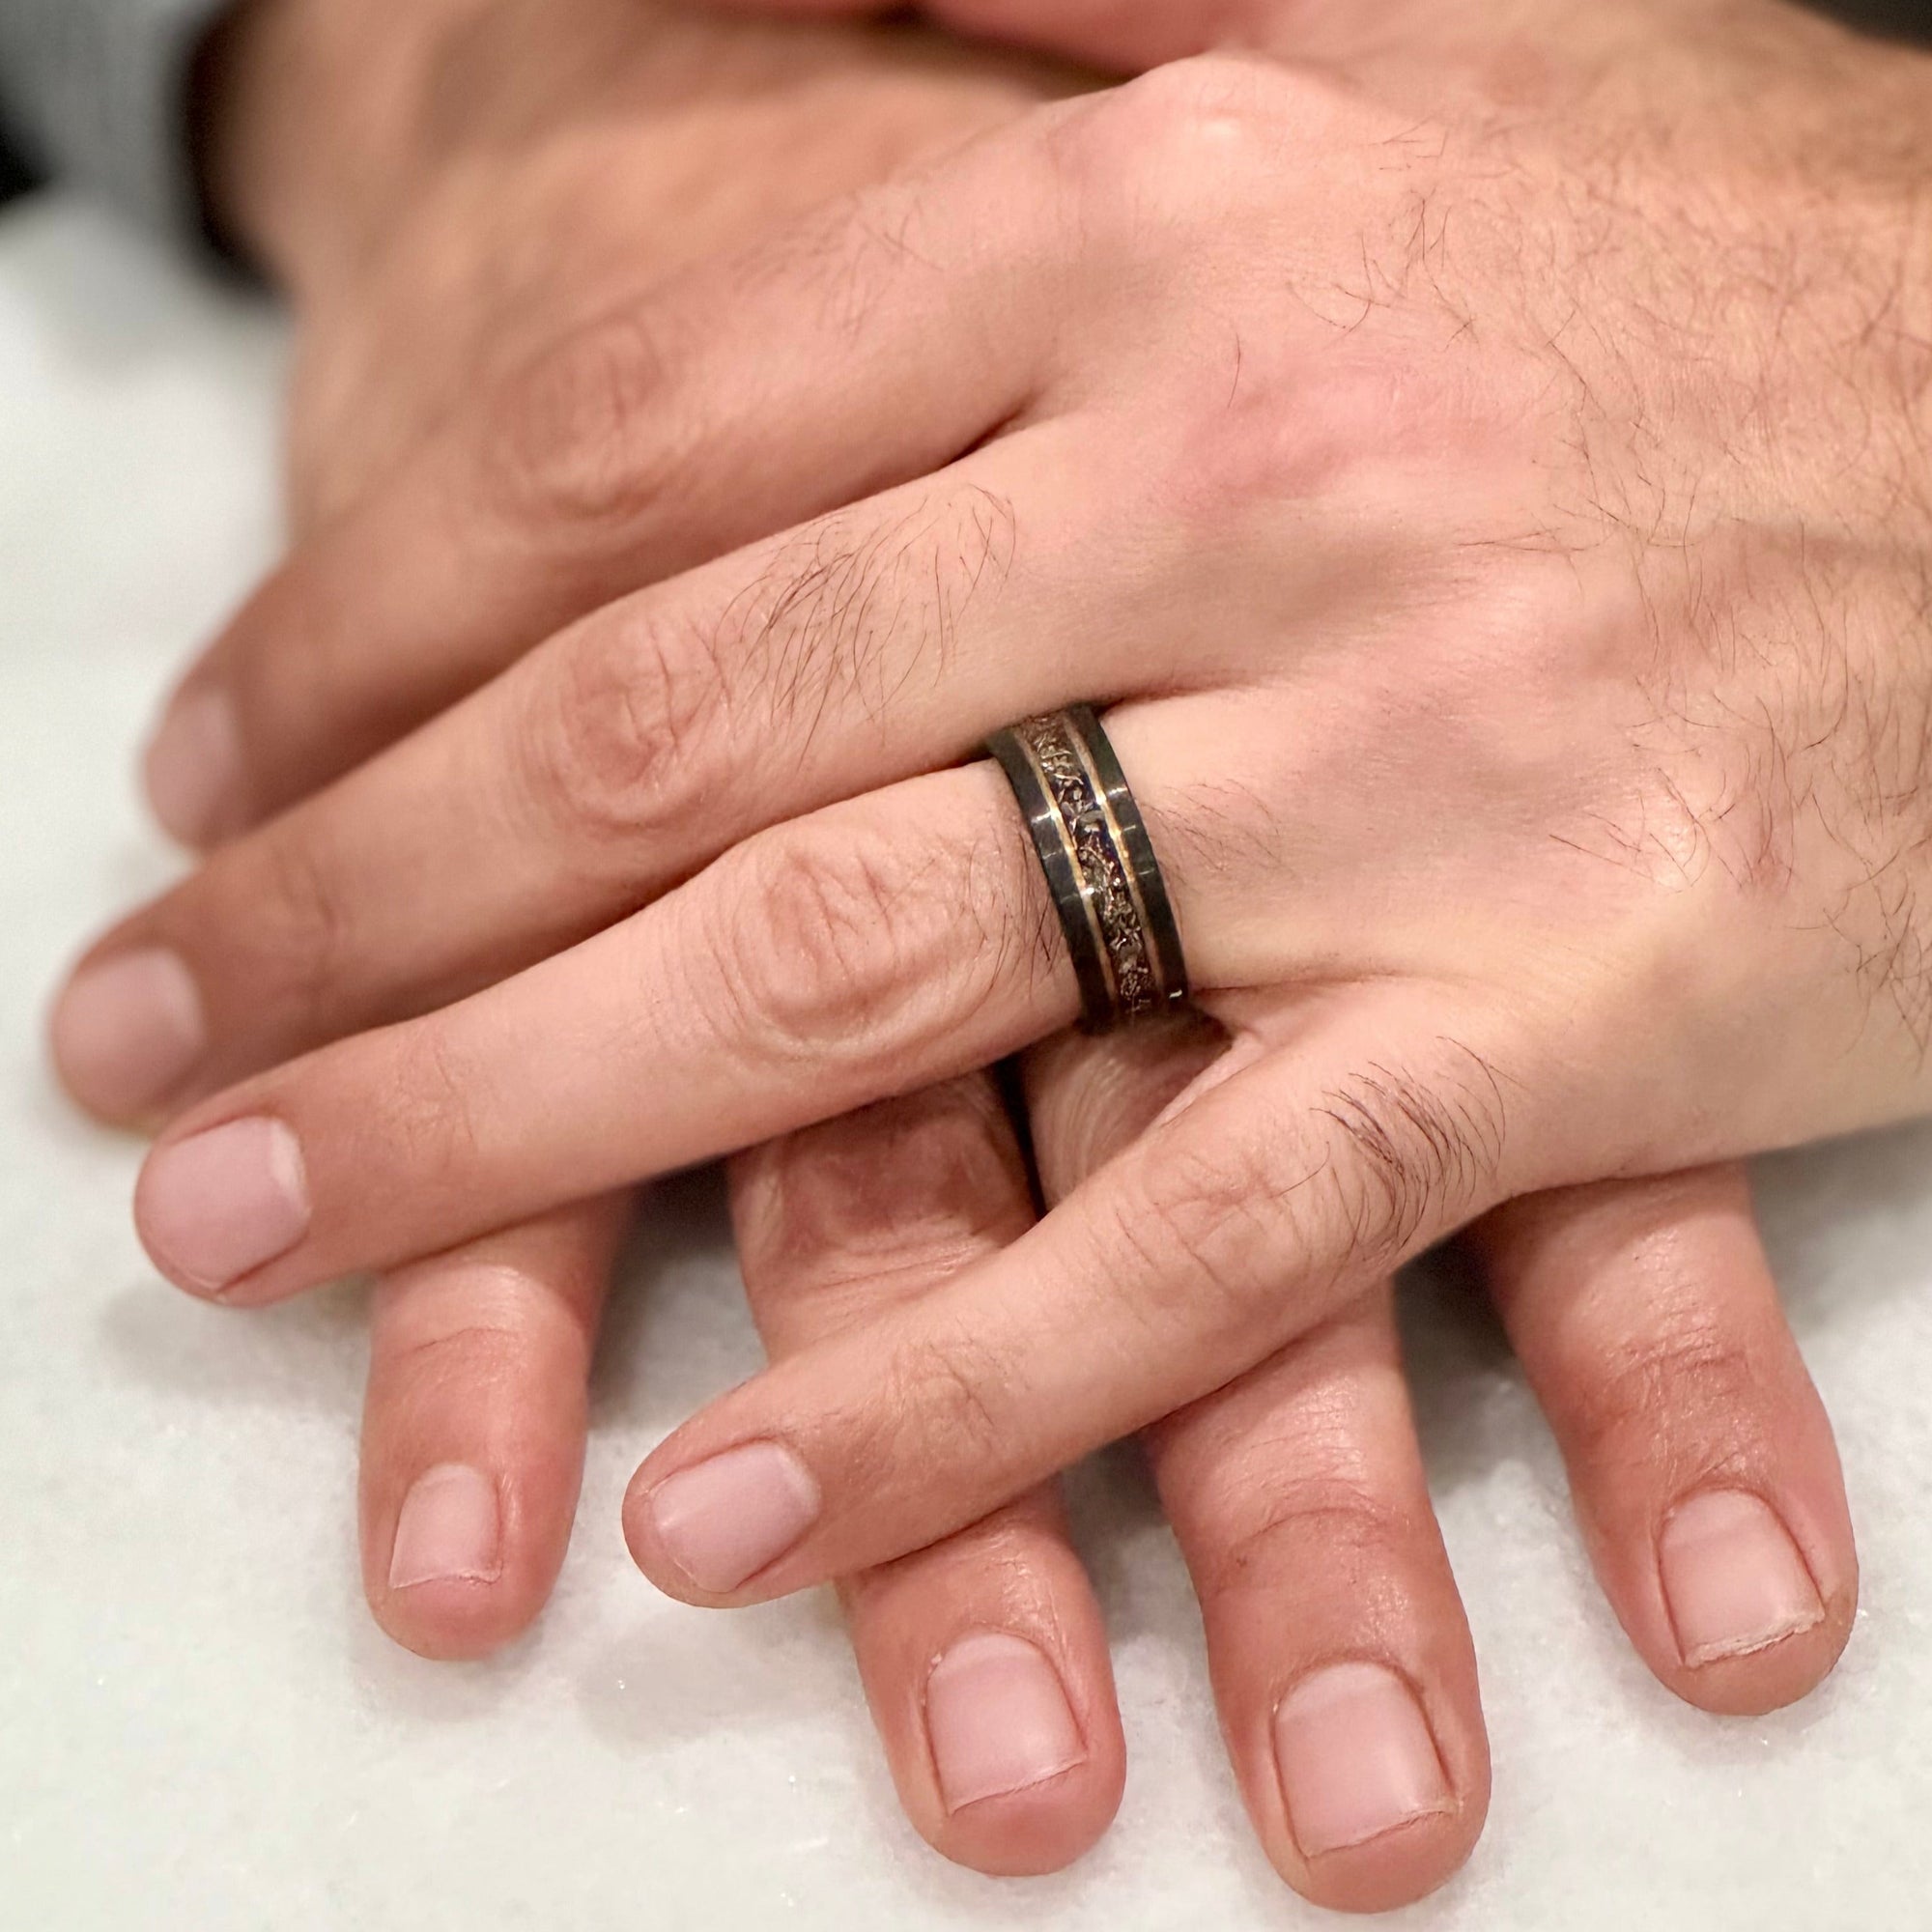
(199, 1726)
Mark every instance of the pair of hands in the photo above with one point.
(1512, 550)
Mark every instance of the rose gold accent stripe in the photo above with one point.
(1149, 950)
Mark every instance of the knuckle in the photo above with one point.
(440, 1346)
(833, 937)
(430, 1108)
(305, 930)
(1175, 113)
(465, 1358)
(1139, 155)
(628, 735)
(467, 1331)
(950, 1386)
(1206, 1226)
(885, 1203)
(1261, 431)
(1655, 1388)
(837, 941)
(578, 435)
(1409, 1158)
(1301, 1522)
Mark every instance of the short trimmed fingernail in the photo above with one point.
(997, 1715)
(1355, 1757)
(1732, 1577)
(125, 1032)
(450, 1529)
(216, 1206)
(725, 1519)
(194, 767)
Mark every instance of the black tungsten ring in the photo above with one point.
(1094, 847)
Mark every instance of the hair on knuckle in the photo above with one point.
(1414, 1155)
(851, 611)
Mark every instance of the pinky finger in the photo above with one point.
(473, 1429)
(1701, 1461)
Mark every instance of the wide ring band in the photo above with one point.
(1094, 847)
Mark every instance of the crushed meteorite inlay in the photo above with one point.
(1099, 864)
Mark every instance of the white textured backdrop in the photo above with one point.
(200, 1728)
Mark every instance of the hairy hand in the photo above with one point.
(1491, 531)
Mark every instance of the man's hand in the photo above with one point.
(858, 277)
(1477, 507)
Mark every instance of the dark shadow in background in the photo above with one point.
(1903, 19)
(15, 176)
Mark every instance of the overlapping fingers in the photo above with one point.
(984, 1656)
(877, 642)
(1340, 1653)
(864, 949)
(1269, 1201)
(1258, 1212)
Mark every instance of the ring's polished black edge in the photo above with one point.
(1099, 864)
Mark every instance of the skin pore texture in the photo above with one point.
(1487, 478)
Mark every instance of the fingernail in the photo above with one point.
(1732, 1577)
(124, 1032)
(998, 1717)
(450, 1528)
(1355, 1756)
(194, 767)
(217, 1206)
(723, 1521)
